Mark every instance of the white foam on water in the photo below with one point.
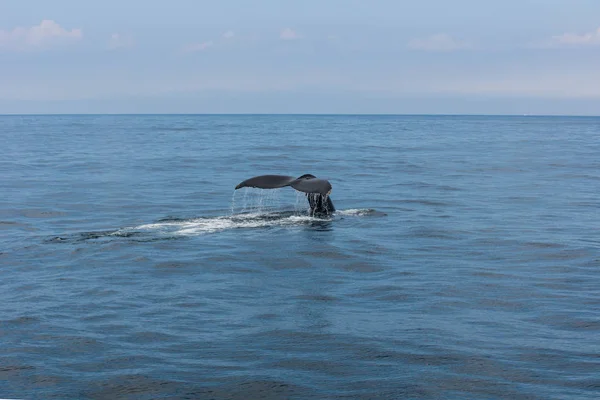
(355, 211)
(198, 226)
(258, 219)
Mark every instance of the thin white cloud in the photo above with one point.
(118, 41)
(441, 42)
(195, 47)
(289, 34)
(47, 33)
(202, 46)
(573, 39)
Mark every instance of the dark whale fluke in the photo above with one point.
(317, 190)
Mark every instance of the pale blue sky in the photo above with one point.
(305, 56)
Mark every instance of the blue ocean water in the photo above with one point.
(463, 261)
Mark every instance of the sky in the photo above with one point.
(300, 56)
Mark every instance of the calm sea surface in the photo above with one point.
(463, 261)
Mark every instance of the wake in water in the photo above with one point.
(173, 228)
(258, 209)
(202, 225)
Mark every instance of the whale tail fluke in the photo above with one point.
(317, 190)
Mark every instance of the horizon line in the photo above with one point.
(305, 114)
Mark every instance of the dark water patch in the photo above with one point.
(364, 175)
(386, 293)
(167, 128)
(424, 202)
(493, 275)
(544, 245)
(100, 292)
(37, 213)
(459, 386)
(566, 255)
(432, 233)
(316, 297)
(505, 305)
(286, 263)
(149, 337)
(255, 389)
(323, 367)
(523, 199)
(275, 149)
(23, 320)
(173, 219)
(28, 287)
(590, 385)
(174, 265)
(190, 304)
(6, 371)
(130, 386)
(363, 267)
(104, 237)
(569, 322)
(42, 381)
(267, 316)
(427, 185)
(333, 255)
(85, 236)
(72, 344)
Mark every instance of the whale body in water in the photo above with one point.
(317, 190)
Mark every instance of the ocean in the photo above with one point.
(463, 261)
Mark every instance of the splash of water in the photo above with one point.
(300, 205)
(233, 202)
(257, 201)
(245, 200)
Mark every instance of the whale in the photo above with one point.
(317, 190)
